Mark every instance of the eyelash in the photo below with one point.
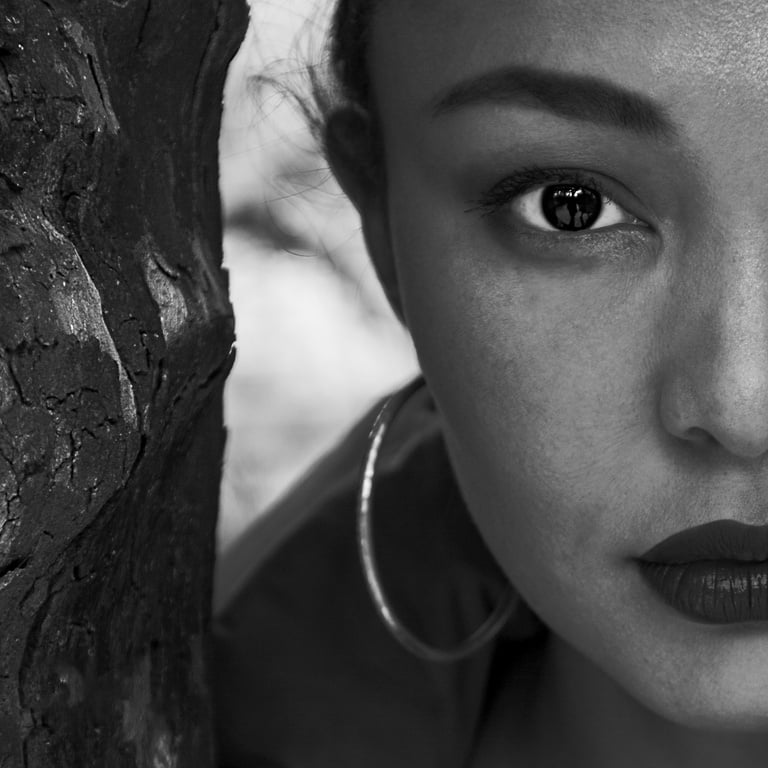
(501, 194)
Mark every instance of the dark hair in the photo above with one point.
(332, 77)
(348, 48)
(342, 78)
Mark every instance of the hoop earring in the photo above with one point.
(495, 621)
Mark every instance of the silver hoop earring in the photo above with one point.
(504, 608)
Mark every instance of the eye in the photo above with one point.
(568, 201)
(569, 208)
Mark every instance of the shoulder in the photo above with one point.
(304, 672)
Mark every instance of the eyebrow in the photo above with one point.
(580, 97)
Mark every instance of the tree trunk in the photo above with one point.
(115, 336)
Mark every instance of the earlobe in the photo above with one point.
(355, 159)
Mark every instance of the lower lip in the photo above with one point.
(713, 591)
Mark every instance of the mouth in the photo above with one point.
(716, 573)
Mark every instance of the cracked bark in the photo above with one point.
(115, 336)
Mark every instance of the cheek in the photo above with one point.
(545, 381)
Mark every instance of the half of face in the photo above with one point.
(574, 226)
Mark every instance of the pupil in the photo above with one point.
(571, 208)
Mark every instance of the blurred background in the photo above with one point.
(316, 341)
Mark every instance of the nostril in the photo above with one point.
(699, 436)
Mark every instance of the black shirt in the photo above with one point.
(304, 672)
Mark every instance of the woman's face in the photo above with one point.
(603, 386)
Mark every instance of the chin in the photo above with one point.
(736, 719)
(728, 703)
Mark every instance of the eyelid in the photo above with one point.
(529, 178)
(527, 206)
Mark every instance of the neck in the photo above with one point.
(586, 720)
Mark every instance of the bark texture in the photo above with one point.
(115, 336)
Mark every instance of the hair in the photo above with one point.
(342, 78)
(348, 48)
(331, 77)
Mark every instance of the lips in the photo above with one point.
(720, 540)
(714, 573)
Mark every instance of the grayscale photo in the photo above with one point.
(384, 384)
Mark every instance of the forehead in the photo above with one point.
(670, 50)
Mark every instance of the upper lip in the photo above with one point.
(718, 540)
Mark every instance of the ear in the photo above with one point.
(353, 151)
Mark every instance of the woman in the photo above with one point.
(564, 201)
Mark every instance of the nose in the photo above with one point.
(715, 386)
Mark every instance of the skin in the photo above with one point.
(599, 392)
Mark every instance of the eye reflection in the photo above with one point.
(571, 208)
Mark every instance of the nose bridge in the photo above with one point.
(740, 314)
(725, 362)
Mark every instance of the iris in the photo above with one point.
(571, 208)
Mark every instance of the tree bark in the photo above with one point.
(115, 337)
